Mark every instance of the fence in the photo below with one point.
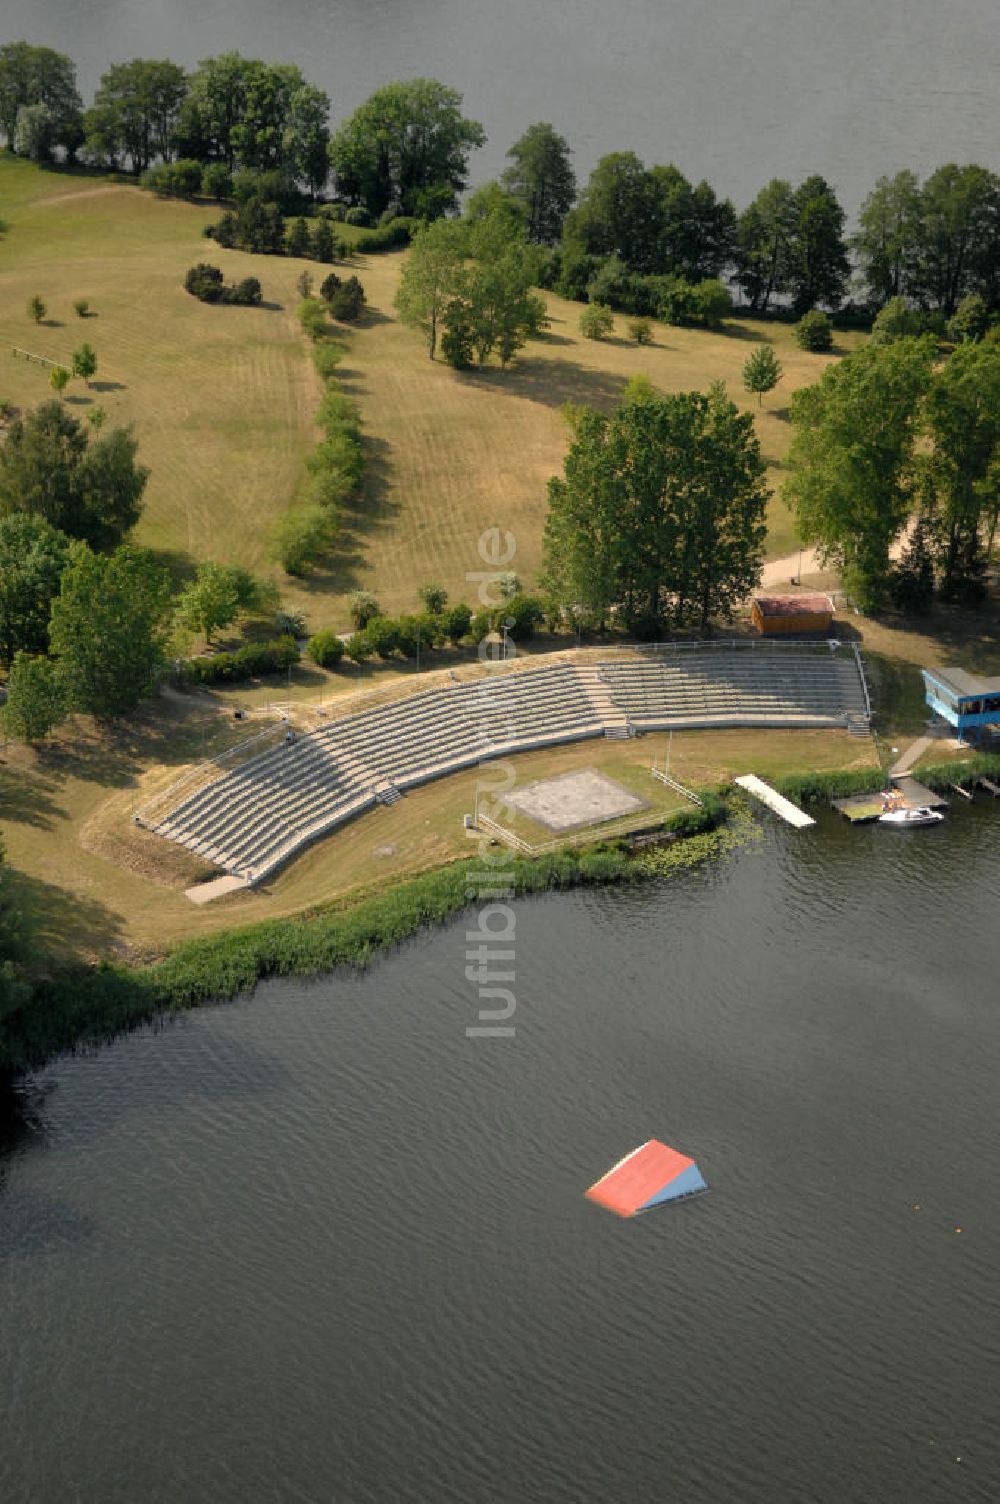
(613, 832)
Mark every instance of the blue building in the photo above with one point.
(966, 701)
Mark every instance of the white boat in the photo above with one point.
(922, 816)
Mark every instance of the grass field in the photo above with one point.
(222, 398)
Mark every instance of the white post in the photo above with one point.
(670, 742)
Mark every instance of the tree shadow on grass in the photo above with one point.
(553, 383)
(26, 798)
(107, 386)
(731, 329)
(61, 922)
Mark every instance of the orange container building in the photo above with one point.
(775, 615)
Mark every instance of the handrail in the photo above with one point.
(143, 815)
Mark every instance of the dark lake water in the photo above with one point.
(321, 1246)
(738, 91)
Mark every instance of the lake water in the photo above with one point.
(738, 91)
(321, 1246)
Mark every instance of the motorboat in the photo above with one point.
(905, 817)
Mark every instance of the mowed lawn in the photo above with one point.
(222, 399)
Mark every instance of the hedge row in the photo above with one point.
(246, 663)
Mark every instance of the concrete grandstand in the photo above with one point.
(250, 819)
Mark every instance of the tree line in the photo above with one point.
(635, 237)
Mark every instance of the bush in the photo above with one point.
(434, 597)
(521, 614)
(216, 181)
(814, 331)
(363, 607)
(336, 212)
(970, 321)
(302, 537)
(325, 649)
(326, 359)
(174, 179)
(289, 624)
(357, 647)
(712, 302)
(896, 320)
(347, 301)
(391, 237)
(312, 317)
(455, 621)
(81, 308)
(357, 216)
(330, 285)
(383, 635)
(246, 663)
(204, 282)
(641, 330)
(596, 321)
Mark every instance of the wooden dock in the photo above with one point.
(788, 811)
(859, 808)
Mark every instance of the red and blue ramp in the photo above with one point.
(651, 1175)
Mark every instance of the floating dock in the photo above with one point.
(913, 795)
(788, 811)
(651, 1175)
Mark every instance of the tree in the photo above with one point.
(109, 629)
(84, 363)
(492, 309)
(408, 148)
(32, 76)
(970, 321)
(698, 235)
(596, 321)
(306, 140)
(33, 556)
(959, 242)
(92, 491)
(36, 308)
(761, 371)
(325, 649)
(851, 461)
(620, 213)
(14, 990)
(347, 301)
(818, 266)
(321, 246)
(217, 595)
(36, 702)
(135, 112)
(212, 109)
(96, 417)
(888, 236)
(962, 422)
(542, 181)
(897, 320)
(814, 332)
(302, 536)
(660, 511)
(58, 379)
(430, 277)
(641, 330)
(35, 133)
(764, 234)
(297, 240)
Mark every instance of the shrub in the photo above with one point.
(246, 663)
(383, 637)
(216, 181)
(297, 240)
(36, 308)
(814, 331)
(312, 317)
(347, 301)
(455, 621)
(302, 536)
(329, 286)
(712, 302)
(248, 292)
(325, 649)
(363, 607)
(181, 179)
(322, 246)
(971, 319)
(357, 216)
(289, 624)
(357, 647)
(675, 300)
(391, 237)
(204, 282)
(896, 320)
(596, 321)
(434, 597)
(81, 308)
(521, 614)
(336, 212)
(641, 330)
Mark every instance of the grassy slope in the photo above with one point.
(222, 398)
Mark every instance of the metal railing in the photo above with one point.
(157, 807)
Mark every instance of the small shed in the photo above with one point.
(774, 615)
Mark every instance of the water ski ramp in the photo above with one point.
(788, 811)
(650, 1176)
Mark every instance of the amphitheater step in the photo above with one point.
(620, 733)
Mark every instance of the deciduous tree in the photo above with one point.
(36, 700)
(33, 556)
(761, 371)
(541, 180)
